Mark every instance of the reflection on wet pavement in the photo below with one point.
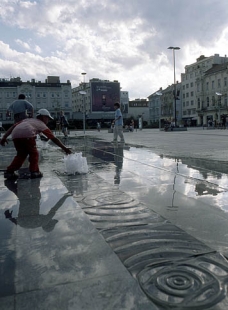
(165, 218)
(171, 264)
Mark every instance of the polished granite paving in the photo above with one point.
(138, 231)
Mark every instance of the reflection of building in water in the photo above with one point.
(212, 167)
(205, 168)
(29, 197)
(203, 189)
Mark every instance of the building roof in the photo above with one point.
(216, 68)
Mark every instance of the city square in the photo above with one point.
(145, 228)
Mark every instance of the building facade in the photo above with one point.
(197, 87)
(165, 105)
(155, 108)
(51, 95)
(139, 108)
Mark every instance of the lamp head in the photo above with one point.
(173, 48)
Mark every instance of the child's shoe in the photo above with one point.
(35, 175)
(10, 175)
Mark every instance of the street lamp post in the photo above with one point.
(219, 105)
(84, 74)
(158, 93)
(174, 91)
(83, 93)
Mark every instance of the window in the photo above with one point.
(192, 102)
(219, 83)
(187, 85)
(225, 81)
(198, 102)
(225, 100)
(192, 93)
(191, 84)
(213, 84)
(208, 102)
(213, 100)
(219, 100)
(207, 86)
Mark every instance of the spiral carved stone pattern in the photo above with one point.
(186, 285)
(175, 270)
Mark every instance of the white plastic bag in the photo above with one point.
(75, 163)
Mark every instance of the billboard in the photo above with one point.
(104, 95)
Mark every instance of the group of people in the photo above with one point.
(130, 127)
(223, 123)
(26, 128)
(24, 133)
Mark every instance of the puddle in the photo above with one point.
(165, 218)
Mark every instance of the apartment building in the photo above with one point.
(199, 86)
(51, 95)
(139, 108)
(155, 107)
(212, 100)
(164, 104)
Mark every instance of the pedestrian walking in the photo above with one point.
(24, 139)
(118, 123)
(21, 108)
(64, 123)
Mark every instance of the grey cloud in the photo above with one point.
(113, 37)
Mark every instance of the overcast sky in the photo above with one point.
(124, 40)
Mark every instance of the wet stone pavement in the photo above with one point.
(139, 231)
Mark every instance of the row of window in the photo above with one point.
(14, 95)
(189, 112)
(187, 103)
(218, 85)
(187, 86)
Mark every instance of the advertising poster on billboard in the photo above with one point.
(104, 95)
